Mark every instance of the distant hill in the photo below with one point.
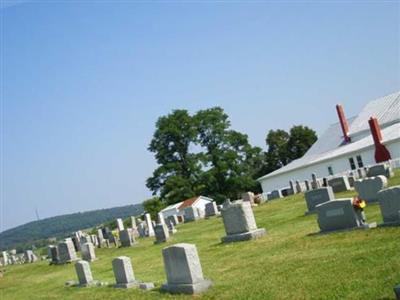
(37, 232)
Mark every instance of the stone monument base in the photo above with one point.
(127, 285)
(194, 288)
(251, 235)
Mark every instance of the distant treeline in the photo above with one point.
(37, 233)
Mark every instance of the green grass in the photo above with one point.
(290, 262)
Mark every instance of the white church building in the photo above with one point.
(371, 137)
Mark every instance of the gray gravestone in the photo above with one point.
(292, 188)
(149, 225)
(211, 209)
(315, 183)
(173, 219)
(239, 223)
(87, 250)
(299, 188)
(249, 196)
(275, 195)
(183, 269)
(318, 196)
(66, 251)
(171, 227)
(389, 202)
(307, 185)
(368, 188)
(55, 258)
(339, 184)
(126, 238)
(123, 272)
(161, 233)
(191, 214)
(84, 273)
(338, 214)
(380, 169)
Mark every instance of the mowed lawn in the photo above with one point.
(290, 262)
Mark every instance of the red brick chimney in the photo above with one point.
(343, 123)
(381, 152)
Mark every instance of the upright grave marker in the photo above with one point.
(149, 224)
(389, 202)
(126, 238)
(123, 272)
(120, 224)
(84, 273)
(66, 251)
(161, 233)
(88, 252)
(211, 209)
(368, 188)
(339, 184)
(191, 214)
(318, 196)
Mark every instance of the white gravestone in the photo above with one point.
(120, 224)
(66, 251)
(149, 224)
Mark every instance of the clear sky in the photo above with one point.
(83, 83)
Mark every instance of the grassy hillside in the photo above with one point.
(291, 262)
(61, 226)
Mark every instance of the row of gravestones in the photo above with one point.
(338, 183)
(12, 258)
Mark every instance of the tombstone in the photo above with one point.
(161, 233)
(249, 196)
(339, 214)
(368, 188)
(84, 273)
(351, 179)
(318, 196)
(396, 290)
(88, 252)
(380, 169)
(389, 202)
(239, 223)
(126, 238)
(123, 272)
(339, 184)
(307, 185)
(100, 238)
(66, 251)
(113, 240)
(171, 227)
(135, 231)
(142, 229)
(292, 187)
(324, 182)
(30, 257)
(315, 183)
(275, 194)
(106, 233)
(191, 214)
(120, 224)
(55, 258)
(149, 224)
(226, 203)
(298, 187)
(160, 218)
(173, 219)
(183, 270)
(13, 252)
(5, 258)
(211, 209)
(85, 239)
(77, 243)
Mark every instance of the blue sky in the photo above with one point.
(83, 84)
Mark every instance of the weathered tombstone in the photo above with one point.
(275, 195)
(191, 214)
(84, 273)
(389, 202)
(226, 203)
(142, 229)
(120, 224)
(113, 240)
(126, 238)
(123, 272)
(292, 187)
(55, 258)
(161, 233)
(183, 269)
(5, 258)
(339, 214)
(100, 238)
(339, 184)
(380, 169)
(66, 251)
(299, 188)
(85, 239)
(397, 291)
(307, 185)
(325, 182)
(149, 224)
(30, 256)
(368, 188)
(173, 219)
(249, 196)
(315, 183)
(318, 196)
(211, 209)
(160, 218)
(88, 252)
(240, 224)
(171, 227)
(135, 231)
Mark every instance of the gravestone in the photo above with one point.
(275, 195)
(85, 239)
(249, 196)
(307, 185)
(30, 256)
(142, 229)
(339, 184)
(191, 214)
(100, 238)
(55, 258)
(292, 187)
(211, 209)
(299, 189)
(173, 219)
(66, 251)
(369, 187)
(161, 233)
(226, 203)
(339, 214)
(123, 272)
(126, 238)
(88, 253)
(160, 218)
(84, 273)
(171, 227)
(113, 240)
(380, 169)
(120, 224)
(76, 239)
(315, 183)
(389, 202)
(149, 225)
(240, 224)
(318, 196)
(183, 269)
(135, 231)
(5, 258)
(324, 182)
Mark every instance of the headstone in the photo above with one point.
(226, 203)
(275, 195)
(171, 227)
(30, 256)
(183, 269)
(142, 229)
(339, 214)
(315, 183)
(318, 196)
(307, 185)
(389, 202)
(240, 224)
(77, 243)
(160, 218)
(100, 238)
(84, 273)
(161, 233)
(149, 224)
(211, 209)
(123, 272)
(339, 184)
(380, 169)
(249, 196)
(88, 252)
(5, 257)
(120, 224)
(113, 240)
(85, 239)
(135, 231)
(292, 187)
(126, 238)
(191, 214)
(55, 258)
(369, 187)
(299, 189)
(66, 251)
(173, 219)
(324, 182)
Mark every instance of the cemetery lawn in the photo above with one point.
(290, 262)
